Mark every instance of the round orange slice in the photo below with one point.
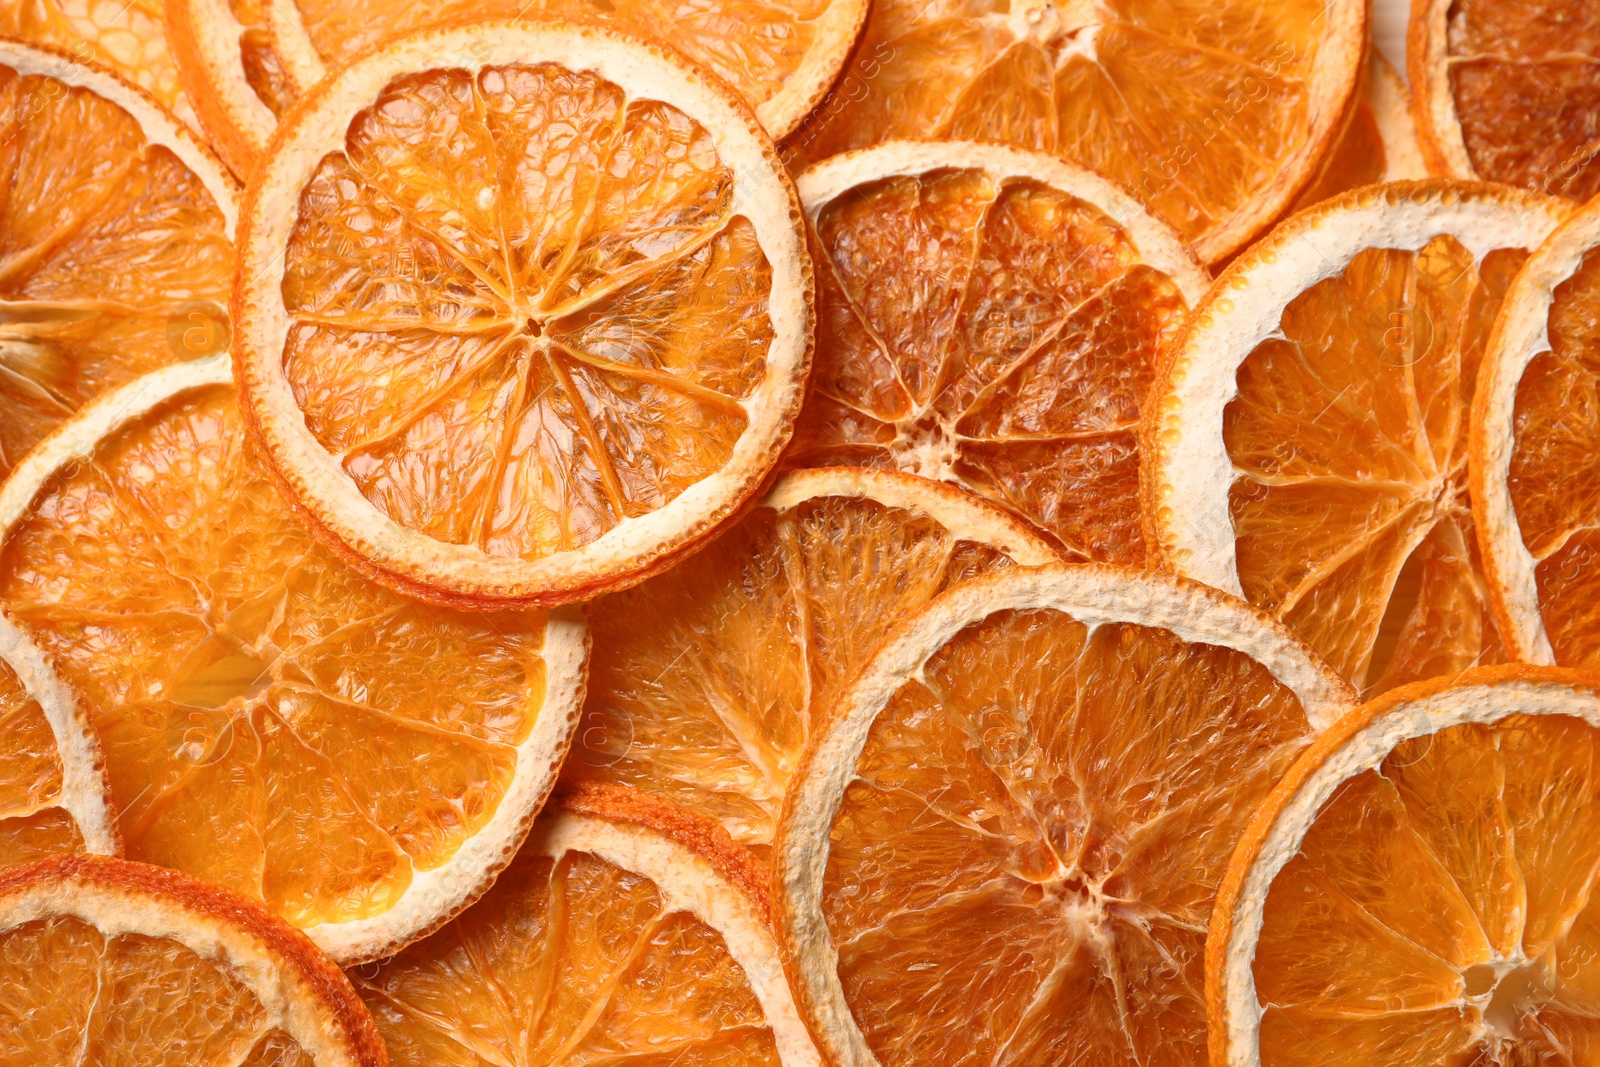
(1306, 440)
(780, 56)
(1216, 114)
(109, 962)
(1379, 143)
(991, 318)
(629, 930)
(118, 235)
(231, 73)
(707, 681)
(1418, 887)
(54, 795)
(361, 762)
(1004, 845)
(524, 310)
(126, 37)
(1508, 91)
(1535, 423)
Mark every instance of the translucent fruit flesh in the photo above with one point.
(1516, 66)
(1553, 482)
(114, 258)
(1349, 439)
(71, 994)
(129, 37)
(1193, 107)
(522, 307)
(753, 45)
(568, 960)
(1023, 866)
(271, 721)
(263, 69)
(1439, 911)
(706, 681)
(33, 824)
(1007, 351)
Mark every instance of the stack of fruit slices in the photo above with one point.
(606, 533)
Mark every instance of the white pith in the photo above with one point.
(432, 895)
(1366, 749)
(290, 1002)
(218, 33)
(761, 196)
(1521, 334)
(690, 883)
(1092, 594)
(1191, 466)
(1386, 94)
(159, 127)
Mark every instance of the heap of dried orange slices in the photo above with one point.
(852, 533)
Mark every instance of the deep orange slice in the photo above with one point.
(361, 762)
(1379, 142)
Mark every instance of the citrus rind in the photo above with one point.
(204, 38)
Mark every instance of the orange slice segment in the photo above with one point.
(1379, 143)
(1507, 91)
(1004, 845)
(991, 318)
(231, 73)
(1217, 115)
(98, 178)
(1534, 425)
(707, 680)
(628, 930)
(105, 961)
(547, 361)
(780, 56)
(126, 37)
(361, 762)
(54, 795)
(1417, 888)
(1306, 441)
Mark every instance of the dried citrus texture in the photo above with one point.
(108, 962)
(1417, 889)
(54, 795)
(707, 680)
(525, 310)
(1215, 114)
(231, 73)
(117, 236)
(1307, 437)
(1508, 91)
(359, 761)
(1379, 142)
(1535, 422)
(125, 36)
(628, 930)
(780, 56)
(1003, 847)
(991, 318)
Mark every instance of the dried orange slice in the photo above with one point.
(54, 795)
(1508, 91)
(1535, 423)
(105, 961)
(1003, 847)
(707, 680)
(1306, 441)
(361, 762)
(541, 349)
(1215, 114)
(780, 56)
(991, 318)
(629, 930)
(231, 73)
(1379, 143)
(1417, 888)
(118, 236)
(126, 36)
